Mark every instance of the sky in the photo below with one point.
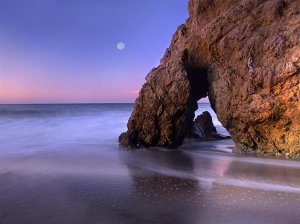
(82, 51)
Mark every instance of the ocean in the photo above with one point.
(36, 127)
(61, 163)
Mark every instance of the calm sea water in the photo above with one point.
(62, 164)
(27, 128)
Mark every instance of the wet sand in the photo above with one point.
(200, 183)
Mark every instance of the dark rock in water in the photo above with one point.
(243, 55)
(204, 125)
(204, 129)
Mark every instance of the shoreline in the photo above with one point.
(83, 183)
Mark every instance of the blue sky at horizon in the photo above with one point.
(66, 51)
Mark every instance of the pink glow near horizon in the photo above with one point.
(29, 91)
(32, 80)
(13, 90)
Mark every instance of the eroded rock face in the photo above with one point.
(245, 55)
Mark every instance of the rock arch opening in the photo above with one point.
(197, 77)
(204, 123)
(198, 82)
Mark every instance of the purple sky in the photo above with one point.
(66, 50)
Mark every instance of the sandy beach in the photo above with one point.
(103, 184)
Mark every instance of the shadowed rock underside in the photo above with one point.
(243, 55)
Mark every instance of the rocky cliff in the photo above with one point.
(245, 56)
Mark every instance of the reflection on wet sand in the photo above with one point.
(243, 189)
(94, 184)
(164, 197)
(259, 173)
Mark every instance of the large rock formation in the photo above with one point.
(245, 55)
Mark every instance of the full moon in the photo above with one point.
(121, 46)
